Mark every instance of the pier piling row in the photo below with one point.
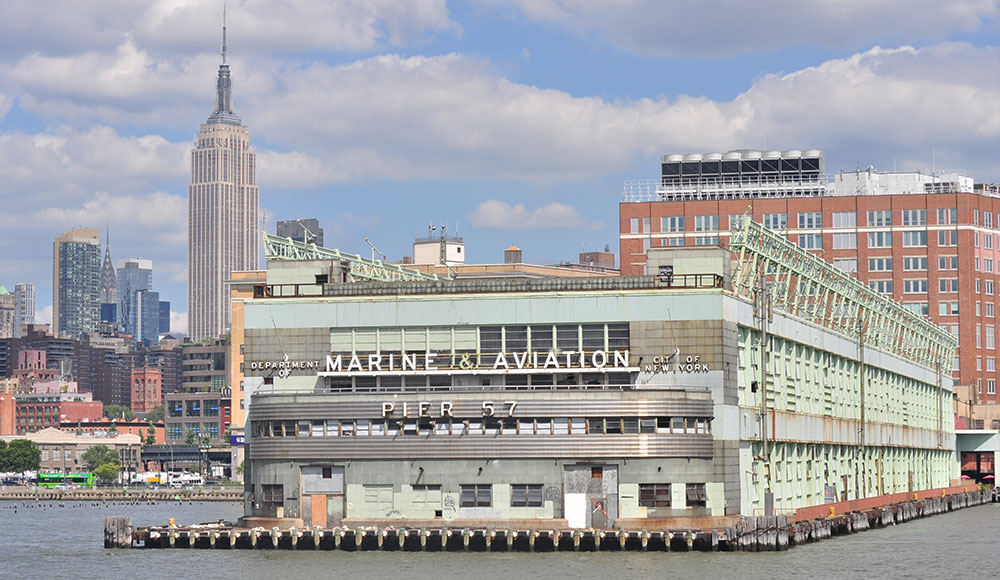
(764, 533)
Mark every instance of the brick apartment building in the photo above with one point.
(931, 242)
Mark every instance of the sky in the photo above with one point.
(510, 122)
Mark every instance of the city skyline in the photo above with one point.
(546, 112)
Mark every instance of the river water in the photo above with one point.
(67, 542)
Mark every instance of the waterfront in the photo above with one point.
(61, 542)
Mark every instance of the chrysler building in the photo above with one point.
(223, 212)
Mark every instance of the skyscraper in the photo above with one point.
(223, 199)
(76, 285)
(7, 313)
(304, 230)
(109, 287)
(24, 305)
(134, 275)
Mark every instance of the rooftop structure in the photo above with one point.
(756, 174)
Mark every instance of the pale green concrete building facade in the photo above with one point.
(582, 402)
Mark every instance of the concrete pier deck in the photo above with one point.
(748, 534)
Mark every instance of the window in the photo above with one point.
(882, 286)
(673, 241)
(987, 219)
(979, 365)
(271, 496)
(879, 218)
(654, 495)
(845, 219)
(915, 286)
(879, 239)
(918, 308)
(776, 221)
(476, 495)
(811, 241)
(987, 265)
(989, 310)
(915, 263)
(948, 309)
(948, 284)
(947, 262)
(988, 240)
(672, 224)
(845, 241)
(914, 217)
(880, 264)
(706, 241)
(948, 238)
(847, 265)
(526, 495)
(991, 364)
(810, 219)
(975, 216)
(706, 223)
(991, 386)
(917, 239)
(947, 216)
(696, 496)
(736, 220)
(634, 226)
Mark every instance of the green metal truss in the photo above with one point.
(805, 286)
(360, 269)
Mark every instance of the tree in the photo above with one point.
(21, 455)
(118, 412)
(155, 415)
(98, 455)
(113, 428)
(108, 471)
(151, 435)
(190, 438)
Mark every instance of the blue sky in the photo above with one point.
(511, 122)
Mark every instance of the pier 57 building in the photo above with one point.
(730, 383)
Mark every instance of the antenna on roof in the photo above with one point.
(223, 33)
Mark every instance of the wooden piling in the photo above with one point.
(117, 532)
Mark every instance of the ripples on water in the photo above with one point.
(54, 542)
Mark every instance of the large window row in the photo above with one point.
(443, 382)
(484, 426)
(483, 340)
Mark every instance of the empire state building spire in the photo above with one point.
(223, 211)
(224, 88)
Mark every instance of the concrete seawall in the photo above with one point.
(120, 495)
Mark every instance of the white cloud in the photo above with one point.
(183, 26)
(497, 214)
(158, 217)
(60, 164)
(44, 316)
(724, 27)
(179, 322)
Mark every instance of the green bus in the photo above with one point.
(51, 480)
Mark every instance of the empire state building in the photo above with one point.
(223, 209)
